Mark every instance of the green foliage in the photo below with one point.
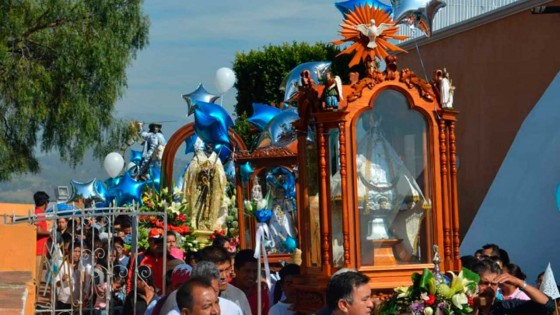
(260, 72)
(62, 68)
(245, 130)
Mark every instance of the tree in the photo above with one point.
(62, 68)
(260, 72)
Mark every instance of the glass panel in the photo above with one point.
(392, 182)
(314, 222)
(336, 200)
(280, 188)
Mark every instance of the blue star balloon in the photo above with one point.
(211, 123)
(280, 128)
(200, 94)
(229, 168)
(223, 151)
(246, 170)
(135, 157)
(262, 115)
(290, 244)
(128, 190)
(346, 6)
(292, 80)
(155, 178)
(85, 192)
(189, 143)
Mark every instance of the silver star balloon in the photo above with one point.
(86, 192)
(200, 94)
(417, 13)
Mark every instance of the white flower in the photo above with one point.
(459, 300)
(428, 311)
(177, 191)
(261, 204)
(175, 207)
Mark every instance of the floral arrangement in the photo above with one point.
(258, 208)
(429, 295)
(172, 203)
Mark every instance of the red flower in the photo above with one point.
(431, 299)
(181, 218)
(471, 301)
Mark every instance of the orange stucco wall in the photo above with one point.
(500, 71)
(18, 247)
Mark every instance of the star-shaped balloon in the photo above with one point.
(211, 123)
(155, 178)
(200, 94)
(417, 13)
(229, 168)
(292, 80)
(85, 192)
(280, 128)
(223, 151)
(246, 170)
(346, 6)
(135, 157)
(262, 115)
(128, 190)
(189, 143)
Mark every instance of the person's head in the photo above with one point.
(118, 245)
(490, 250)
(504, 256)
(468, 261)
(171, 240)
(209, 270)
(349, 293)
(191, 258)
(76, 251)
(488, 270)
(154, 127)
(145, 278)
(285, 284)
(155, 241)
(478, 254)
(41, 199)
(62, 223)
(540, 279)
(514, 270)
(220, 257)
(246, 269)
(196, 296)
(221, 241)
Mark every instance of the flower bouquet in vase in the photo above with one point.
(429, 296)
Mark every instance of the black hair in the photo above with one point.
(342, 286)
(515, 271)
(118, 240)
(185, 298)
(288, 270)
(215, 254)
(504, 256)
(40, 198)
(478, 252)
(244, 256)
(171, 233)
(192, 256)
(486, 265)
(468, 261)
(219, 241)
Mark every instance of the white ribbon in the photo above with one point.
(262, 233)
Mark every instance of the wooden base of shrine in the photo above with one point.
(384, 252)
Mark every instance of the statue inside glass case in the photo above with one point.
(389, 196)
(282, 203)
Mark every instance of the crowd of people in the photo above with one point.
(90, 267)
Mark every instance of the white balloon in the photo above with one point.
(225, 79)
(113, 164)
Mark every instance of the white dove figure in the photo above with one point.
(372, 31)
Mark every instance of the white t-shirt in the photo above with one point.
(227, 307)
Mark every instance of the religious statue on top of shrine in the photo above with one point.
(204, 187)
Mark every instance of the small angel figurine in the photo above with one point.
(332, 94)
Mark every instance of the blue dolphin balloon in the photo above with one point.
(346, 6)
